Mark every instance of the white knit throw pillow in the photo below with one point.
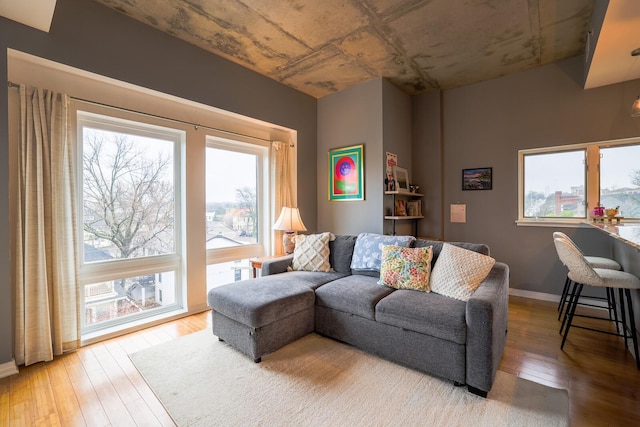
(458, 272)
(312, 252)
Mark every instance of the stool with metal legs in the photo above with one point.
(595, 262)
(582, 274)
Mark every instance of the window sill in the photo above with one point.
(574, 223)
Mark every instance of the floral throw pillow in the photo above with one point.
(458, 272)
(406, 268)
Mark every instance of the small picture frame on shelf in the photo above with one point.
(413, 208)
(402, 179)
(400, 208)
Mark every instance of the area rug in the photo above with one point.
(316, 381)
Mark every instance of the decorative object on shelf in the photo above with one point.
(346, 173)
(477, 179)
(400, 208)
(414, 188)
(413, 208)
(402, 179)
(389, 176)
(290, 222)
(635, 108)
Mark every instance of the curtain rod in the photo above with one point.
(195, 125)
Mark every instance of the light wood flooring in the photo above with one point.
(99, 386)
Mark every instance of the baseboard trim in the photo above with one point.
(542, 296)
(534, 295)
(9, 368)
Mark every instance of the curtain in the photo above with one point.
(46, 289)
(281, 171)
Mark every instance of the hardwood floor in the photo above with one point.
(99, 386)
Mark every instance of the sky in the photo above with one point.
(227, 171)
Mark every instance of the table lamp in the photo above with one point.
(290, 222)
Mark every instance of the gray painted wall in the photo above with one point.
(351, 117)
(487, 123)
(378, 115)
(426, 122)
(91, 37)
(396, 138)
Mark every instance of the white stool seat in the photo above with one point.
(583, 274)
(595, 262)
(600, 262)
(614, 279)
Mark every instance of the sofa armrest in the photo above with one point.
(276, 265)
(486, 316)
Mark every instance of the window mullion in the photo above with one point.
(593, 177)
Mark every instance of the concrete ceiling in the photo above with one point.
(321, 47)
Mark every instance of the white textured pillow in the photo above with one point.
(458, 272)
(312, 252)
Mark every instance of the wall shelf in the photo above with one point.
(408, 196)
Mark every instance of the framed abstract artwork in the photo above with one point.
(346, 173)
(477, 179)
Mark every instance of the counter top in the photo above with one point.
(628, 233)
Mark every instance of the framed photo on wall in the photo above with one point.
(346, 173)
(477, 179)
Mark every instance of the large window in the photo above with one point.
(566, 183)
(128, 218)
(236, 208)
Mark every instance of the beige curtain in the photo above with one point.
(47, 313)
(281, 171)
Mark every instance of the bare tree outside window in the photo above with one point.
(128, 195)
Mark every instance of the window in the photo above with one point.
(566, 183)
(128, 218)
(236, 208)
(620, 179)
(555, 184)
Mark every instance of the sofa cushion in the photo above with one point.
(260, 302)
(353, 294)
(405, 268)
(340, 253)
(437, 247)
(426, 313)
(312, 279)
(458, 272)
(367, 252)
(311, 252)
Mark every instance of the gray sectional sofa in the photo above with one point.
(457, 340)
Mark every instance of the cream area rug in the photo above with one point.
(316, 381)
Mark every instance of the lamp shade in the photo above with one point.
(289, 220)
(635, 108)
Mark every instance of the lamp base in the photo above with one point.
(288, 242)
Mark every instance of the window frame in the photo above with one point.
(592, 179)
(113, 119)
(263, 194)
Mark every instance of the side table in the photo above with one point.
(256, 263)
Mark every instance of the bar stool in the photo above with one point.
(581, 273)
(595, 262)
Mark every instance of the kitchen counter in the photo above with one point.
(628, 233)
